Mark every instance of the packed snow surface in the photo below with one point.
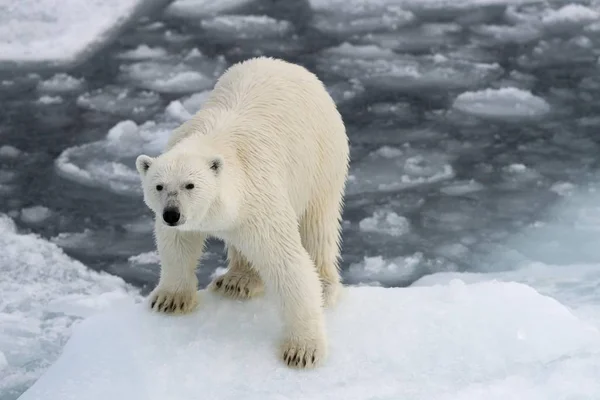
(43, 292)
(62, 33)
(441, 342)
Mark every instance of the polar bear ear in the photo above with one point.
(142, 163)
(216, 164)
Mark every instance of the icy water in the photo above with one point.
(473, 124)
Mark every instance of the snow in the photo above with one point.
(43, 33)
(508, 104)
(416, 343)
(44, 294)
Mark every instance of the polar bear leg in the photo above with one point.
(288, 270)
(241, 281)
(320, 228)
(179, 253)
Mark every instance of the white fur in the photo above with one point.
(275, 199)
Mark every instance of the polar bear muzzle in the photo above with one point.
(171, 216)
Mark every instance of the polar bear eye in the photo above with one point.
(189, 186)
(159, 187)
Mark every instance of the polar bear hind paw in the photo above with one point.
(173, 302)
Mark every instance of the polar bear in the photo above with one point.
(263, 167)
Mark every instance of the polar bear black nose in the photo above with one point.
(171, 216)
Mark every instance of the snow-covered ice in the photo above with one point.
(507, 104)
(415, 343)
(44, 292)
(43, 33)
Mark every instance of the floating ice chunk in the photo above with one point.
(391, 169)
(184, 109)
(61, 83)
(41, 287)
(430, 9)
(387, 222)
(421, 38)
(342, 92)
(361, 18)
(193, 73)
(143, 52)
(386, 272)
(570, 17)
(150, 257)
(197, 9)
(48, 100)
(562, 188)
(453, 339)
(43, 34)
(119, 101)
(462, 188)
(35, 214)
(8, 151)
(167, 78)
(407, 73)
(177, 111)
(109, 163)
(246, 26)
(365, 52)
(509, 104)
(559, 52)
(194, 102)
(504, 34)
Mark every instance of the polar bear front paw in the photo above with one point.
(304, 353)
(173, 301)
(238, 286)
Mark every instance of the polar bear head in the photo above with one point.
(181, 187)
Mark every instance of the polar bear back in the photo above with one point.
(282, 126)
